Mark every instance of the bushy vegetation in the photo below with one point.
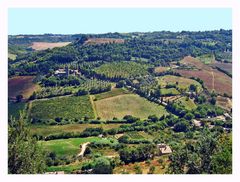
(25, 156)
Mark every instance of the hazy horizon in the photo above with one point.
(121, 20)
(115, 32)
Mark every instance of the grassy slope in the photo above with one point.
(66, 146)
(65, 107)
(183, 83)
(46, 130)
(128, 104)
(172, 91)
(188, 104)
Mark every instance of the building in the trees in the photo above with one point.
(163, 149)
(66, 72)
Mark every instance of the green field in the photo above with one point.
(15, 108)
(112, 93)
(64, 147)
(63, 107)
(187, 103)
(206, 58)
(134, 135)
(127, 104)
(121, 69)
(181, 82)
(169, 91)
(66, 168)
(46, 130)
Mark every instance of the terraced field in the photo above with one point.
(127, 104)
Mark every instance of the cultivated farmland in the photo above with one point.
(121, 70)
(21, 85)
(62, 107)
(213, 79)
(45, 130)
(47, 45)
(180, 82)
(128, 104)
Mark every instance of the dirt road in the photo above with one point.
(84, 146)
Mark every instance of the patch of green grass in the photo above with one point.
(14, 109)
(180, 82)
(127, 104)
(206, 58)
(63, 107)
(112, 93)
(135, 135)
(169, 91)
(66, 147)
(187, 103)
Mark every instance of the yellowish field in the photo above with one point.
(128, 104)
(181, 82)
(47, 130)
(47, 45)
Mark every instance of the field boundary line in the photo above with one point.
(93, 106)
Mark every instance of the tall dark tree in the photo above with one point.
(25, 156)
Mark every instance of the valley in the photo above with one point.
(138, 103)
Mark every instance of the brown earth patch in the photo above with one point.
(104, 41)
(47, 45)
(21, 85)
(213, 79)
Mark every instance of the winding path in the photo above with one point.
(84, 146)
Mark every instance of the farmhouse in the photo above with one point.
(163, 149)
(67, 72)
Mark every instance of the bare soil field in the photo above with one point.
(21, 85)
(104, 41)
(213, 79)
(38, 46)
(224, 66)
(224, 102)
